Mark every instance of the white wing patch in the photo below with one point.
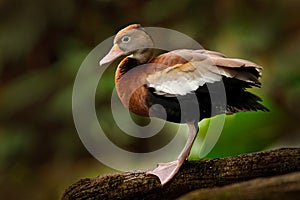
(170, 88)
(183, 78)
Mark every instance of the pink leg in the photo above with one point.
(166, 171)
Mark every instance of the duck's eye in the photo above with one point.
(125, 39)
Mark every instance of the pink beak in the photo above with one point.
(114, 53)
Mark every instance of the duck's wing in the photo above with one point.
(183, 71)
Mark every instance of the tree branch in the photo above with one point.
(192, 175)
(276, 188)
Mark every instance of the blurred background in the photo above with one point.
(42, 45)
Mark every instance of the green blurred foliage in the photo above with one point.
(42, 44)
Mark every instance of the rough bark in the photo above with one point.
(192, 175)
(276, 188)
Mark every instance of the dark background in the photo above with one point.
(42, 44)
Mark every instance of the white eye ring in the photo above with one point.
(125, 39)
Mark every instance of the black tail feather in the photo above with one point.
(238, 99)
(241, 100)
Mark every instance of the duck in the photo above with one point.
(181, 86)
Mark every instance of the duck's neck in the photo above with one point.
(140, 57)
(143, 55)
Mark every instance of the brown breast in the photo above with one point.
(130, 82)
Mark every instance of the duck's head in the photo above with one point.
(131, 41)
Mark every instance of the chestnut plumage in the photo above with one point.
(190, 85)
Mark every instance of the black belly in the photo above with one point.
(181, 109)
(228, 96)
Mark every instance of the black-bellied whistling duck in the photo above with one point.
(180, 82)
